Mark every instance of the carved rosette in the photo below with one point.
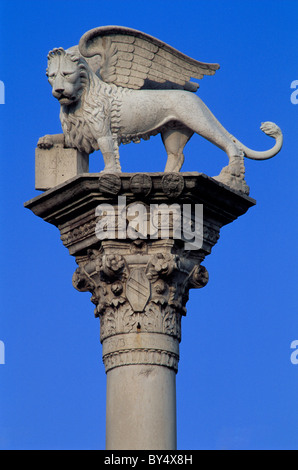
(142, 292)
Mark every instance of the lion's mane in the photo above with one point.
(97, 109)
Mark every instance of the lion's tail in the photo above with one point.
(271, 129)
(116, 153)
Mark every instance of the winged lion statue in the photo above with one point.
(120, 85)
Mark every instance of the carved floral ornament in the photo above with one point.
(148, 297)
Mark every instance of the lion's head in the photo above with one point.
(67, 74)
(85, 100)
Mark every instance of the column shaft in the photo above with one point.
(141, 408)
(141, 390)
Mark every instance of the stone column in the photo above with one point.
(139, 287)
(140, 290)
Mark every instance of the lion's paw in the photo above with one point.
(233, 176)
(45, 142)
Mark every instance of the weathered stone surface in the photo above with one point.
(148, 419)
(141, 184)
(172, 184)
(139, 286)
(56, 165)
(116, 66)
(71, 207)
(139, 239)
(109, 183)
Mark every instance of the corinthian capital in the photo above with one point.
(143, 292)
(140, 285)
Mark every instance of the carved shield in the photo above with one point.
(138, 289)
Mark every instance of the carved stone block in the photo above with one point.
(56, 165)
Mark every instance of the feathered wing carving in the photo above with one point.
(132, 59)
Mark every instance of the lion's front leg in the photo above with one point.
(108, 146)
(51, 140)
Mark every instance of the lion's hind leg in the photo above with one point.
(233, 174)
(201, 120)
(174, 140)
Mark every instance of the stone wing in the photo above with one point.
(132, 59)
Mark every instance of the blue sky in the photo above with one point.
(236, 386)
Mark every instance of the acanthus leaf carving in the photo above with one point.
(139, 292)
